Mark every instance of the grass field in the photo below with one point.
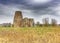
(30, 35)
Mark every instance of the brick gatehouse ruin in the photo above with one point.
(19, 21)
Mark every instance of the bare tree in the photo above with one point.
(46, 21)
(53, 22)
(38, 23)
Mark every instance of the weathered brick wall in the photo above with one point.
(31, 22)
(28, 22)
(25, 22)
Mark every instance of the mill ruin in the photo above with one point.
(19, 21)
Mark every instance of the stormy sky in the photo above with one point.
(37, 9)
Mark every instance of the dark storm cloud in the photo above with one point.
(39, 9)
(29, 6)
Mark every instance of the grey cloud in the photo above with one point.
(35, 9)
(41, 9)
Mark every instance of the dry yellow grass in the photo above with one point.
(30, 35)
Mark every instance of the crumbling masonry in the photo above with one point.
(20, 22)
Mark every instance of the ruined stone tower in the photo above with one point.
(18, 19)
(20, 22)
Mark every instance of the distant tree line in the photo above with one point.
(46, 22)
(5, 25)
